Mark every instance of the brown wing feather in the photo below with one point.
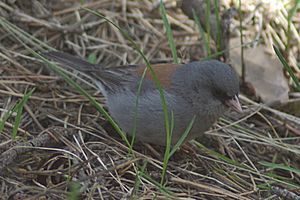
(162, 71)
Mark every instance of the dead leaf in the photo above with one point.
(263, 71)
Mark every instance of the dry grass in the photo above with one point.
(62, 140)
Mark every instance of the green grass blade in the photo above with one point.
(225, 160)
(218, 155)
(175, 60)
(74, 193)
(280, 166)
(5, 117)
(160, 187)
(218, 22)
(242, 42)
(19, 110)
(183, 137)
(168, 32)
(138, 182)
(92, 58)
(291, 14)
(202, 33)
(167, 150)
(207, 25)
(287, 67)
(26, 37)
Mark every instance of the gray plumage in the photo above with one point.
(197, 89)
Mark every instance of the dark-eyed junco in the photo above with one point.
(204, 89)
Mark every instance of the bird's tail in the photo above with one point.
(71, 61)
(106, 79)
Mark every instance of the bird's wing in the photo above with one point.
(112, 77)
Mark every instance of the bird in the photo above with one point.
(199, 90)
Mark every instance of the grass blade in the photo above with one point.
(242, 41)
(280, 166)
(183, 137)
(287, 67)
(19, 110)
(159, 186)
(207, 25)
(218, 22)
(169, 32)
(291, 14)
(202, 33)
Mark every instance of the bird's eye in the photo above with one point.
(220, 95)
(223, 96)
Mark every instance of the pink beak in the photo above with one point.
(234, 104)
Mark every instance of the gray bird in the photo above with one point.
(204, 90)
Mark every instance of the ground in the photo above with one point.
(55, 144)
